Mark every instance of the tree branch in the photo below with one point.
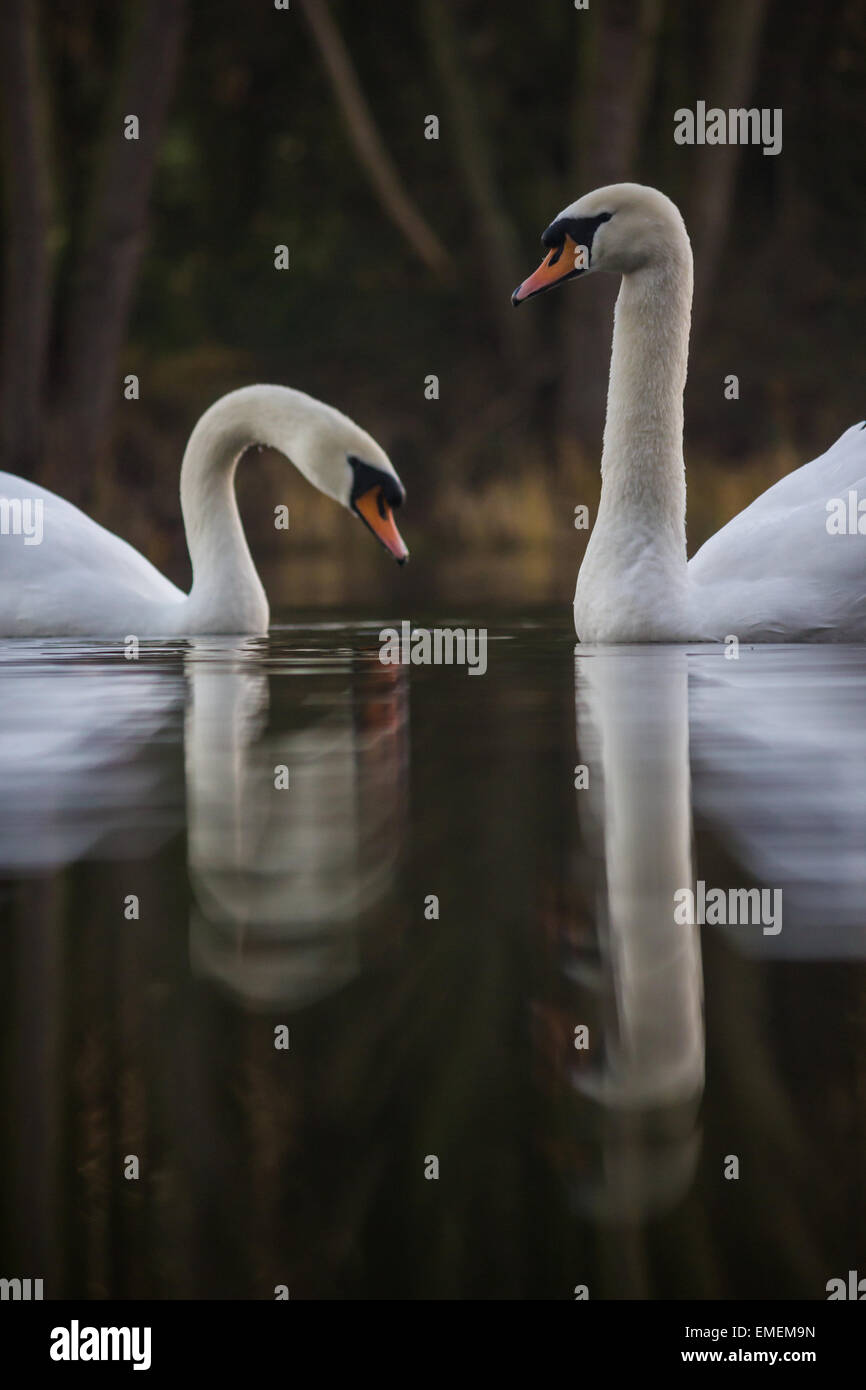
(369, 145)
(105, 276)
(500, 258)
(730, 85)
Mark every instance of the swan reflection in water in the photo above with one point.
(769, 751)
(640, 984)
(281, 879)
(778, 750)
(116, 1050)
(292, 836)
(86, 765)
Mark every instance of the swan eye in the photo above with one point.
(580, 229)
(366, 477)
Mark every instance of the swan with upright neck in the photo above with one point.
(776, 572)
(81, 580)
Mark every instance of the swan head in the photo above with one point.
(621, 228)
(332, 452)
(346, 463)
(376, 492)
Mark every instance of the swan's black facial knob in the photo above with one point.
(367, 475)
(570, 240)
(582, 230)
(374, 494)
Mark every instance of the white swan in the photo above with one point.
(774, 573)
(62, 574)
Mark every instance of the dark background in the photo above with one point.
(305, 127)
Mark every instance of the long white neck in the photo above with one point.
(227, 594)
(632, 584)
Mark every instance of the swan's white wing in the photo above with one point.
(775, 572)
(79, 578)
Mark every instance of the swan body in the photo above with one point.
(775, 573)
(81, 580)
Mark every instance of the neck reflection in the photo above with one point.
(294, 835)
(641, 986)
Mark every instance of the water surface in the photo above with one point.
(166, 902)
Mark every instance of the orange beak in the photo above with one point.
(561, 264)
(375, 513)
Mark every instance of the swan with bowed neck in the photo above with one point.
(81, 580)
(776, 572)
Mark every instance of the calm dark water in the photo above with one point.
(149, 787)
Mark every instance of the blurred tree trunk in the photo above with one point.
(36, 1064)
(500, 261)
(617, 51)
(737, 38)
(105, 272)
(27, 270)
(367, 140)
(792, 417)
